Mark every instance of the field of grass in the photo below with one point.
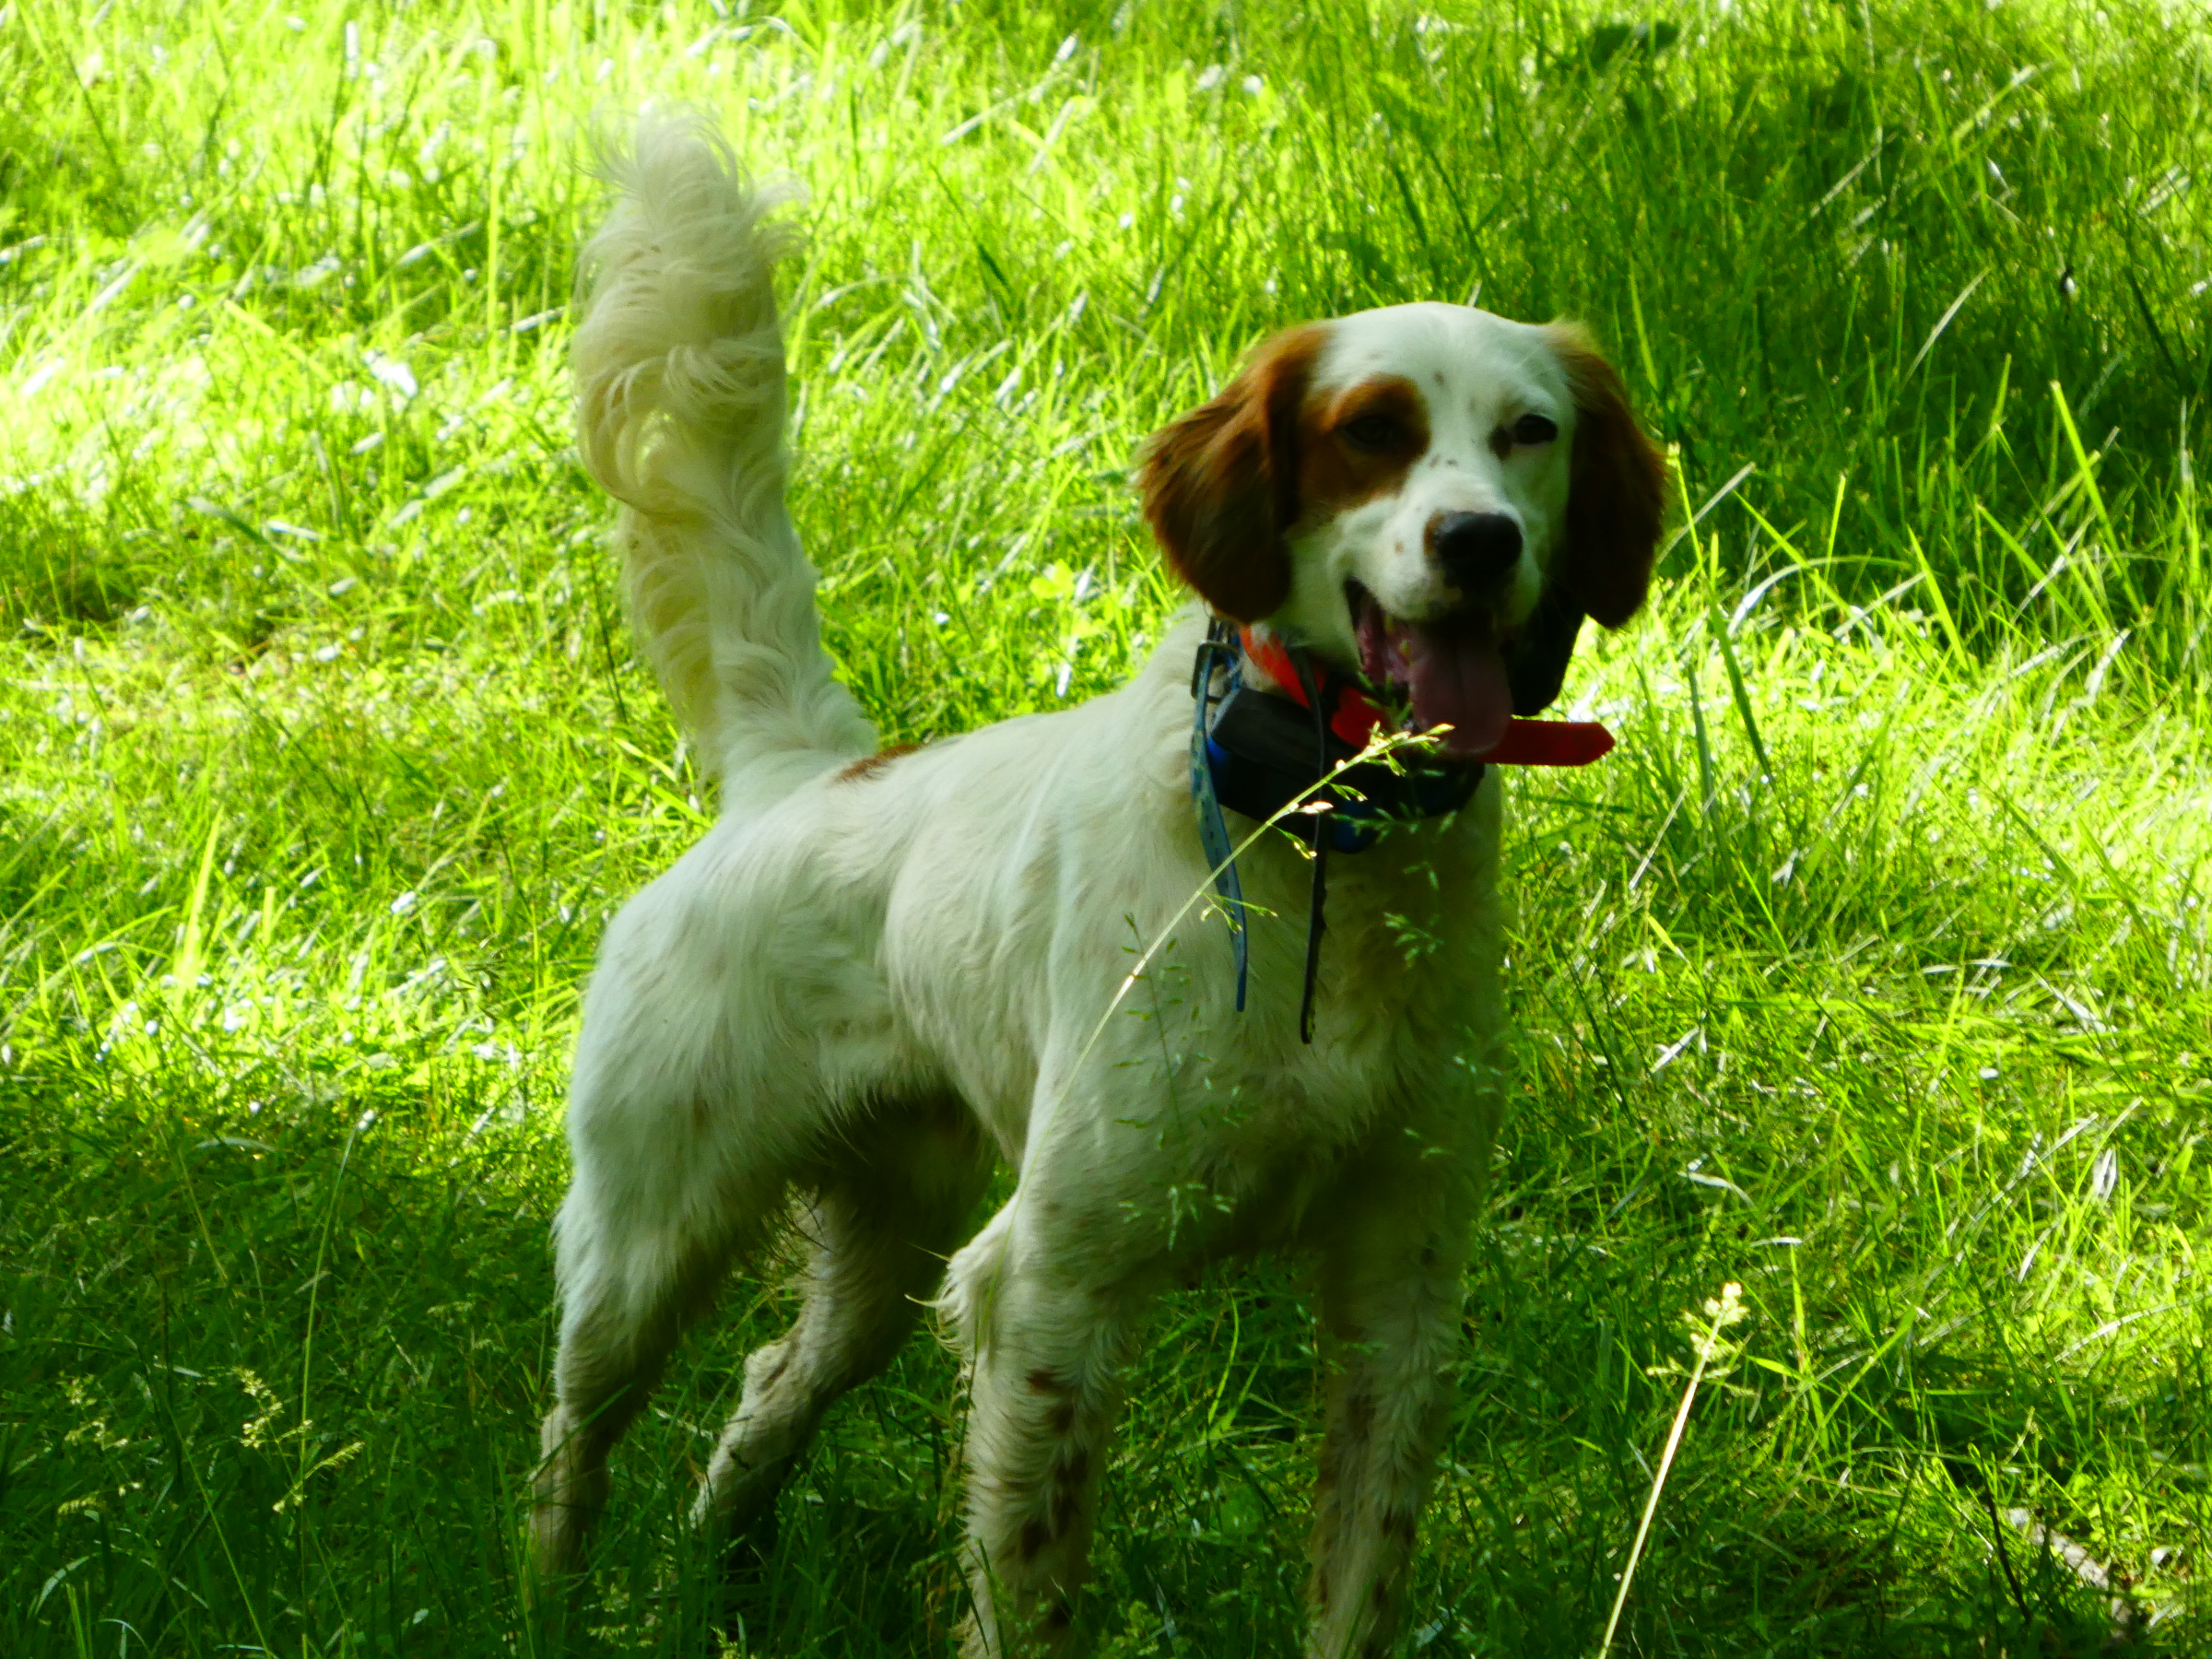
(1873, 972)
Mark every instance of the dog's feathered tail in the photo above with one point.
(679, 415)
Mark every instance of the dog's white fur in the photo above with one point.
(872, 978)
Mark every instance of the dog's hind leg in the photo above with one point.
(631, 1278)
(877, 1228)
(670, 1184)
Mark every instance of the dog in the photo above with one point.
(880, 974)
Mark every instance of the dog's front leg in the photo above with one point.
(1045, 1349)
(1391, 1297)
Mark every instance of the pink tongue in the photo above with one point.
(1458, 682)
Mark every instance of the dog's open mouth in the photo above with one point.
(1451, 670)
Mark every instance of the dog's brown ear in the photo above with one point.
(1220, 482)
(1617, 497)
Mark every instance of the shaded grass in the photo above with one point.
(1871, 971)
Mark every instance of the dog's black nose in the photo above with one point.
(1478, 550)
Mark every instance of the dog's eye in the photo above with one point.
(1370, 432)
(1535, 428)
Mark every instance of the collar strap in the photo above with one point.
(1354, 716)
(1265, 751)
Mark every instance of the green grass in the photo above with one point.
(1873, 970)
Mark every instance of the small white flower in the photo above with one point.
(2104, 1174)
(392, 372)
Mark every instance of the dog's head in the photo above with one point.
(1427, 495)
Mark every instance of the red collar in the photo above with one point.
(1354, 715)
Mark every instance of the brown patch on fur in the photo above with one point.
(1066, 1500)
(1220, 484)
(1617, 497)
(1358, 1413)
(1058, 1617)
(1061, 1418)
(1035, 1535)
(1399, 1526)
(1336, 470)
(868, 765)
